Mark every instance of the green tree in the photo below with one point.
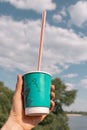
(57, 119)
(5, 102)
(63, 96)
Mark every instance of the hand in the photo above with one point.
(17, 112)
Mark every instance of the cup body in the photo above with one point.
(37, 93)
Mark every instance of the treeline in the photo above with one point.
(56, 120)
(77, 112)
(6, 95)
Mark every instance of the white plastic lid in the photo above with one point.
(36, 111)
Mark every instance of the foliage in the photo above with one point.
(5, 102)
(63, 95)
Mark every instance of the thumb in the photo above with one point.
(19, 84)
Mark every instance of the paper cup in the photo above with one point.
(37, 93)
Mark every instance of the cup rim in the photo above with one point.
(37, 72)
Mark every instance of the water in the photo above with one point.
(78, 122)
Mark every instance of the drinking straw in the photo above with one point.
(41, 40)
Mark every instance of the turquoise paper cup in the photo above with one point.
(37, 93)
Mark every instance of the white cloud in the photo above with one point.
(78, 13)
(19, 42)
(18, 48)
(83, 83)
(63, 12)
(69, 86)
(57, 18)
(37, 5)
(77, 105)
(70, 75)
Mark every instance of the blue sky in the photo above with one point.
(65, 42)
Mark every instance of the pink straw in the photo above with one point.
(41, 40)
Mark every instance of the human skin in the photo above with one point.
(17, 119)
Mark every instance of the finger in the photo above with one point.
(53, 88)
(52, 104)
(52, 96)
(19, 84)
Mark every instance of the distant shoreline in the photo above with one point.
(74, 115)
